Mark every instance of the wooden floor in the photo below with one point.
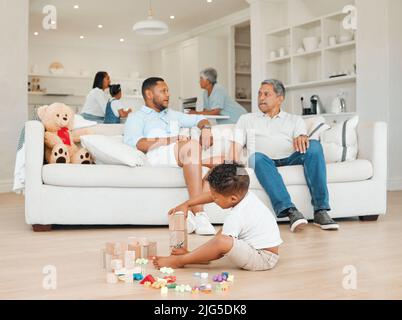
(311, 265)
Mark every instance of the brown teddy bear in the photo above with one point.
(60, 140)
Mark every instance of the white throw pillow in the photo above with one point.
(315, 127)
(80, 122)
(111, 150)
(340, 141)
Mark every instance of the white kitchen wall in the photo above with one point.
(13, 78)
(120, 61)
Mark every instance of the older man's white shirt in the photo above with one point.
(270, 136)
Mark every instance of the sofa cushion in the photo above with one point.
(148, 177)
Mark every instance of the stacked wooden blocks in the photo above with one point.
(119, 258)
(178, 231)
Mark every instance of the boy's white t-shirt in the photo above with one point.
(116, 105)
(253, 222)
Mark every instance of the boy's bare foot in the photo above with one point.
(170, 262)
(179, 251)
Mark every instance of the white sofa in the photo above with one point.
(60, 194)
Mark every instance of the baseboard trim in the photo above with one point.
(6, 186)
(395, 184)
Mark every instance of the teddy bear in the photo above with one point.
(60, 139)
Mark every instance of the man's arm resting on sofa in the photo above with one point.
(146, 145)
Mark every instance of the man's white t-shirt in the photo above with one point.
(270, 136)
(252, 222)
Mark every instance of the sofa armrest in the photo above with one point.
(34, 156)
(373, 146)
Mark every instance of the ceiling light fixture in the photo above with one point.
(100, 26)
(151, 26)
(172, 17)
(76, 6)
(36, 33)
(82, 37)
(121, 40)
(209, 1)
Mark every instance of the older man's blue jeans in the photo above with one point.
(315, 172)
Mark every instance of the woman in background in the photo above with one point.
(216, 101)
(95, 104)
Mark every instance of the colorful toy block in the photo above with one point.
(149, 278)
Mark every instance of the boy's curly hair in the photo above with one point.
(229, 179)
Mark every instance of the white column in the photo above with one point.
(13, 83)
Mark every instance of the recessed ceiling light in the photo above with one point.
(100, 26)
(82, 37)
(172, 17)
(36, 33)
(121, 40)
(209, 1)
(76, 6)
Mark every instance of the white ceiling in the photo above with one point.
(119, 16)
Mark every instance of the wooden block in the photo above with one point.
(178, 239)
(103, 258)
(116, 264)
(177, 222)
(144, 252)
(120, 248)
(143, 241)
(152, 249)
(136, 248)
(129, 259)
(110, 248)
(133, 241)
(108, 262)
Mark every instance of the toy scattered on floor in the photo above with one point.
(164, 291)
(221, 277)
(178, 231)
(166, 270)
(170, 279)
(126, 262)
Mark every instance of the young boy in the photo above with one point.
(114, 108)
(250, 235)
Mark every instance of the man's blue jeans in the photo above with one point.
(315, 172)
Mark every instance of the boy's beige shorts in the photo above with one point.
(246, 257)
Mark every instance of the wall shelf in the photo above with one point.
(308, 73)
(320, 83)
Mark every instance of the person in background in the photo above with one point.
(96, 101)
(216, 101)
(114, 108)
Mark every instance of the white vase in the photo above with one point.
(310, 43)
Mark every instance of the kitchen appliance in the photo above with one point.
(306, 109)
(316, 105)
(338, 104)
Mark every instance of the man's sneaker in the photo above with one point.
(202, 225)
(190, 222)
(324, 221)
(297, 220)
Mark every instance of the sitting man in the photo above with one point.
(280, 139)
(155, 129)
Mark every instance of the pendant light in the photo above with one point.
(151, 26)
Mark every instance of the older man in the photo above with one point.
(154, 130)
(281, 140)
